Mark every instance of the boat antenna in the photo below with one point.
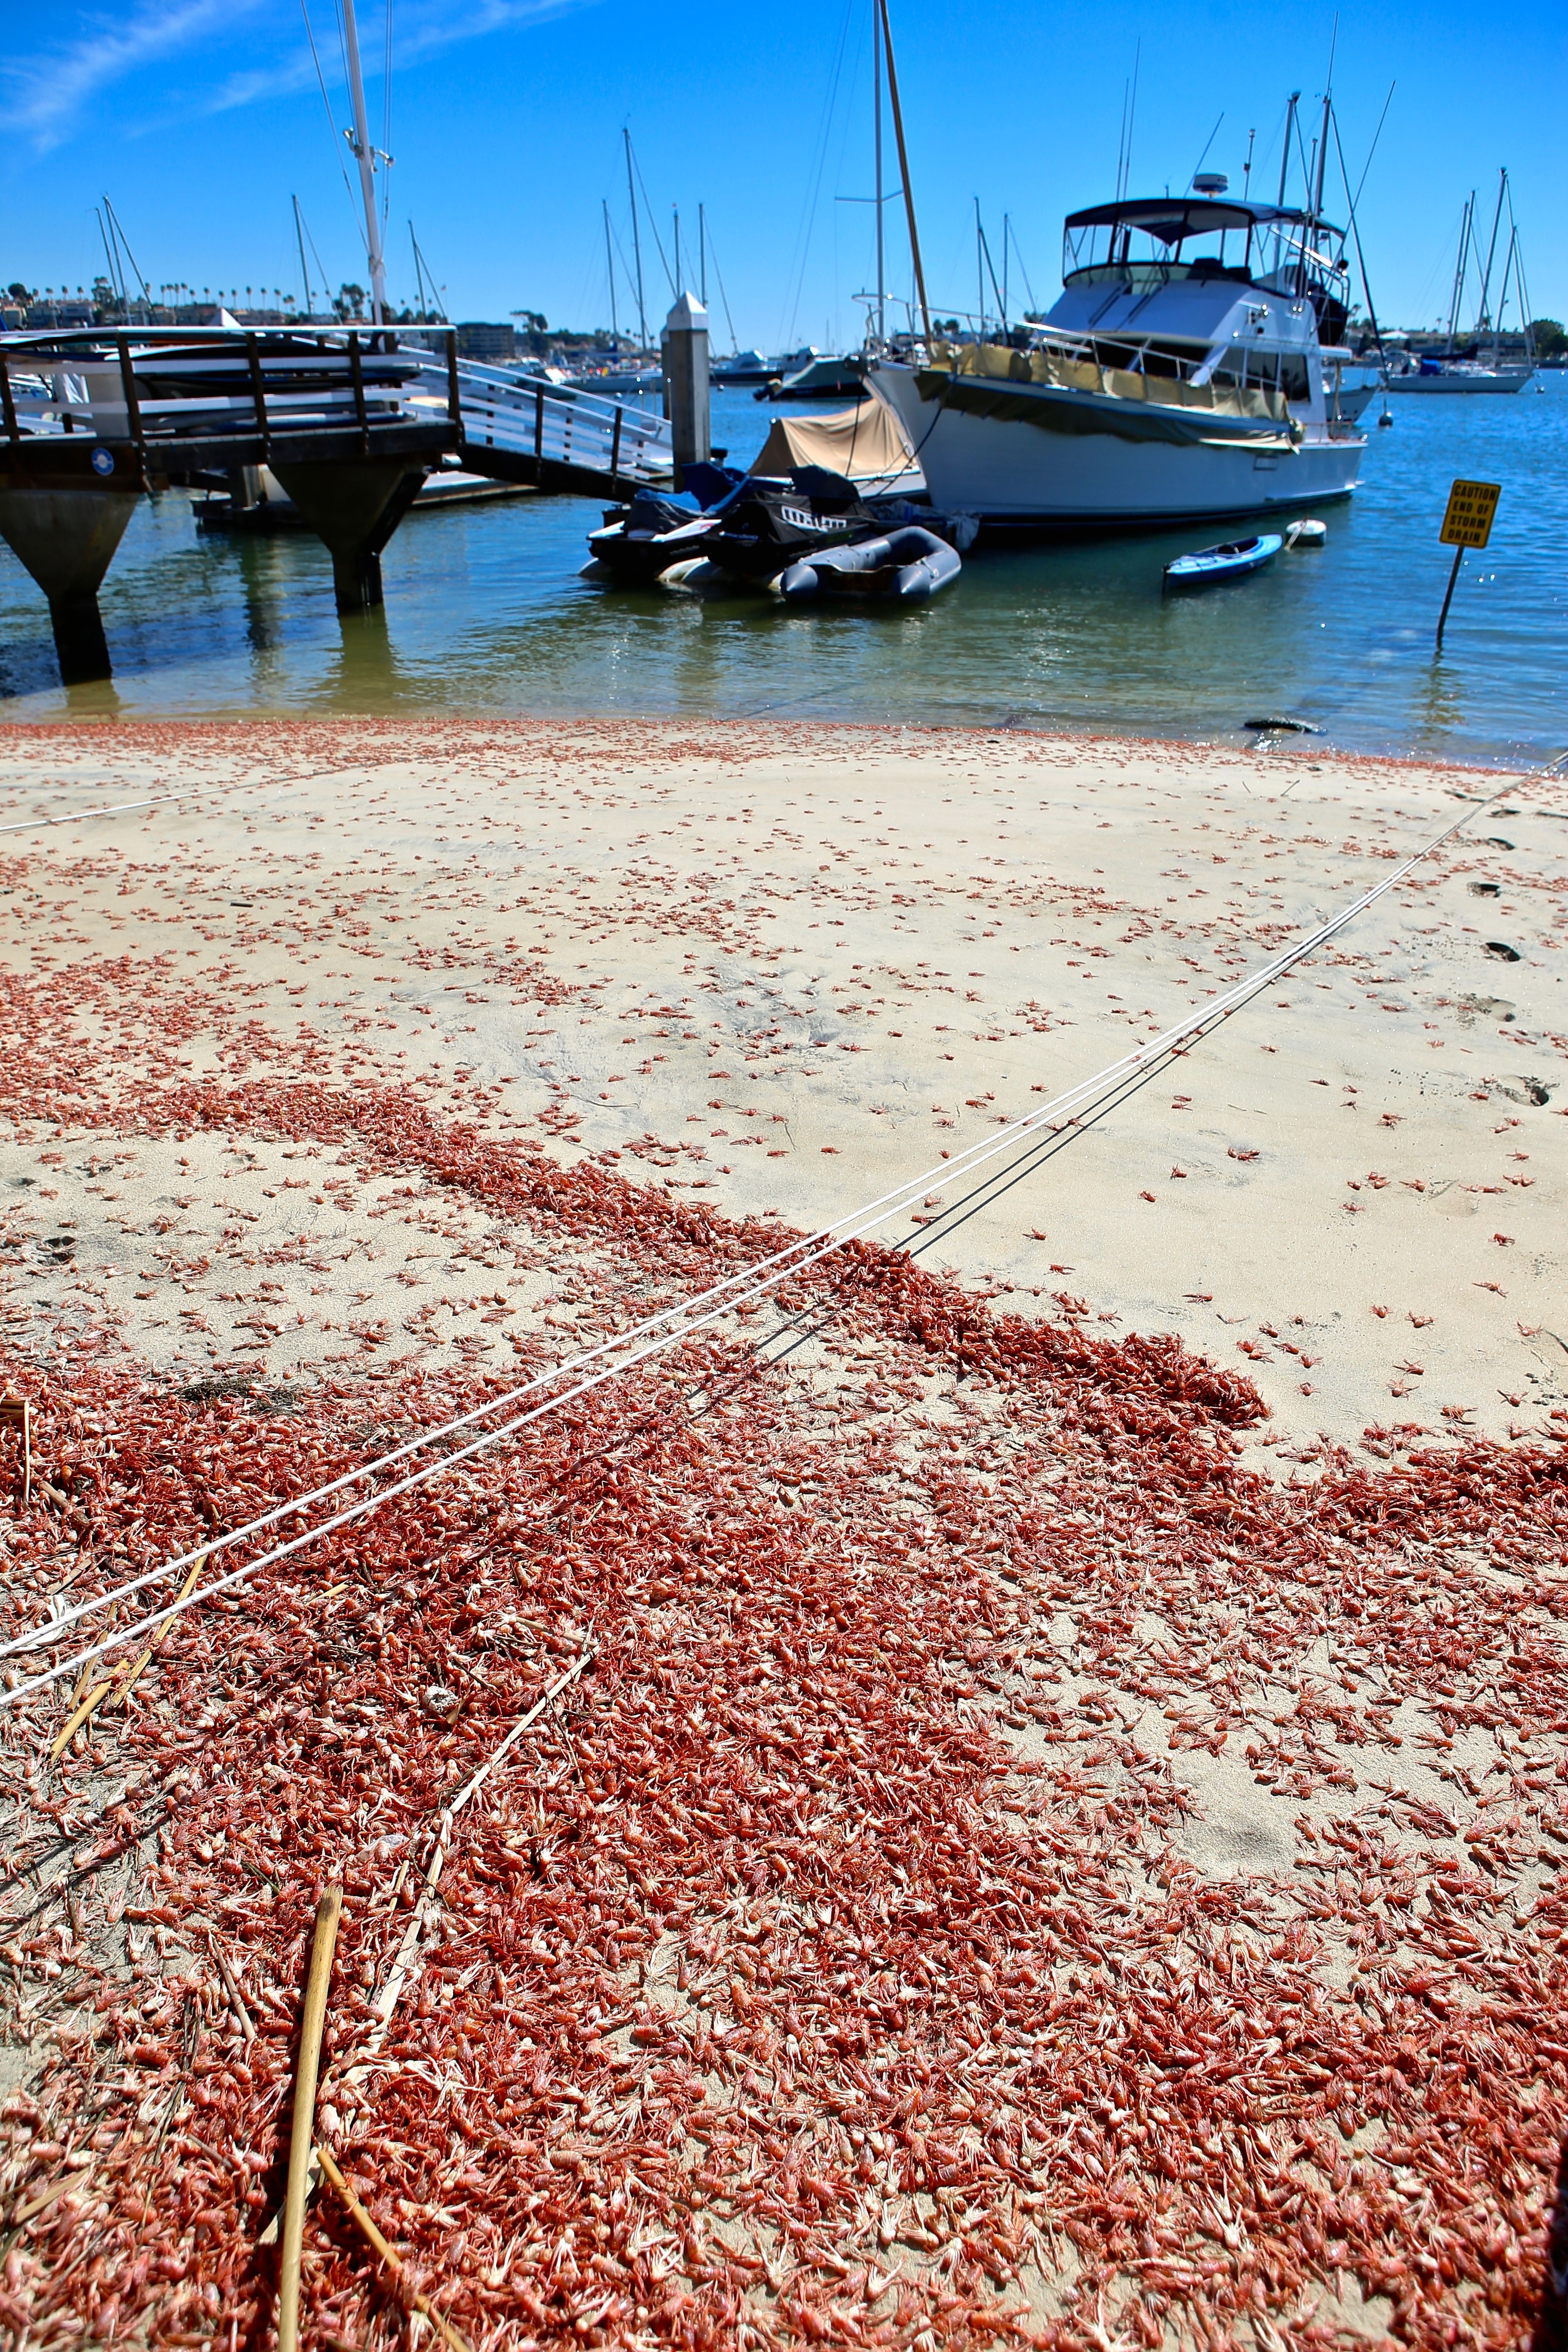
(904, 169)
(636, 240)
(610, 265)
(299, 241)
(1208, 143)
(1006, 227)
(1132, 107)
(1316, 198)
(703, 254)
(675, 210)
(1360, 258)
(877, 166)
(366, 156)
(1372, 151)
(1246, 167)
(1294, 100)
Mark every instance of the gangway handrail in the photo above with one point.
(536, 424)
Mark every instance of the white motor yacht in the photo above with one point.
(1188, 372)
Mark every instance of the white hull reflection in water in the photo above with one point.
(1190, 372)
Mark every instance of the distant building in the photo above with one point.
(73, 313)
(478, 338)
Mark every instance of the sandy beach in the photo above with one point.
(1196, 1508)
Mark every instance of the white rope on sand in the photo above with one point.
(674, 1324)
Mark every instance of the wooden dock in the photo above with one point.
(349, 422)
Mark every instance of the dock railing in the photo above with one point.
(198, 395)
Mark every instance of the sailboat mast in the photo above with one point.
(300, 238)
(366, 156)
(610, 265)
(1483, 319)
(637, 241)
(904, 169)
(876, 119)
(1459, 270)
(979, 275)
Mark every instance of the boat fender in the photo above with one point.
(696, 572)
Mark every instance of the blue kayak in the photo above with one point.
(1207, 564)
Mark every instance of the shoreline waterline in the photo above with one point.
(487, 613)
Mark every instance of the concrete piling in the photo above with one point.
(66, 536)
(684, 351)
(354, 506)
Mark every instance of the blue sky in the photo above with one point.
(201, 117)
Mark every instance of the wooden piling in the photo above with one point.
(303, 2138)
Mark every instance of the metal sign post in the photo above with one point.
(1468, 522)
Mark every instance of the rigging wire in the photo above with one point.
(802, 253)
(1023, 265)
(718, 274)
(653, 226)
(331, 126)
(681, 1321)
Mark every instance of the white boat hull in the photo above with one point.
(1017, 475)
(1457, 380)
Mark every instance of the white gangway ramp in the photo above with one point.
(243, 394)
(517, 427)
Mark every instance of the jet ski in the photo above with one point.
(767, 525)
(643, 539)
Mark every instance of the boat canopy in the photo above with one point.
(1146, 242)
(1171, 220)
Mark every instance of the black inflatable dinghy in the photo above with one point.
(905, 567)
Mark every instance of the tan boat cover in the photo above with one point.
(864, 444)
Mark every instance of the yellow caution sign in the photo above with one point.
(1468, 521)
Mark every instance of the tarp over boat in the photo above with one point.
(866, 444)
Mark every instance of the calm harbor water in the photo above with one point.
(486, 614)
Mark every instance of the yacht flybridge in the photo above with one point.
(1189, 372)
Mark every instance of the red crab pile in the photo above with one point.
(841, 1959)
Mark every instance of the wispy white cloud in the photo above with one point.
(51, 93)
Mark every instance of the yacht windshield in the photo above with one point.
(1152, 243)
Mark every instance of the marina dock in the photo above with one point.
(351, 428)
